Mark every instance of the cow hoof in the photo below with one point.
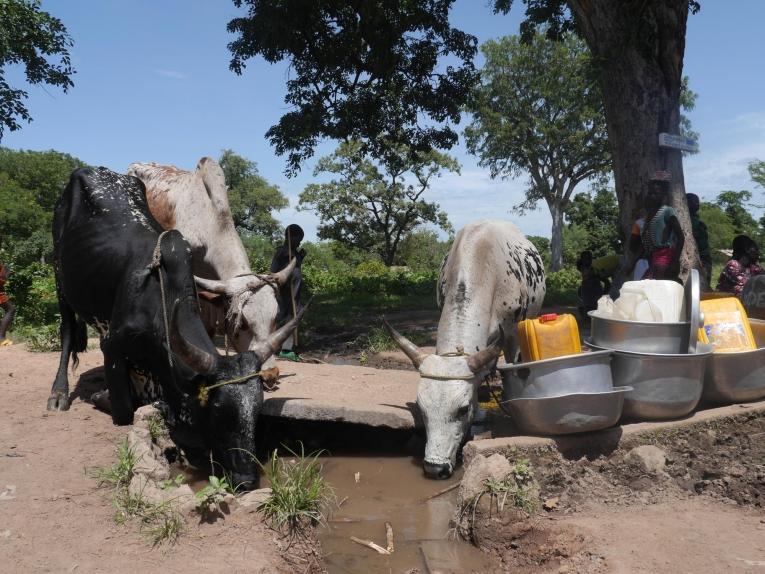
(100, 400)
(58, 401)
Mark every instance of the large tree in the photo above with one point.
(639, 46)
(40, 43)
(538, 110)
(757, 172)
(362, 69)
(371, 205)
(252, 199)
(597, 214)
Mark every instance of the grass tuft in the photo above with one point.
(299, 493)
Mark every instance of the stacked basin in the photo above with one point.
(662, 362)
(737, 377)
(569, 394)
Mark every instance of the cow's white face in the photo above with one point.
(256, 320)
(446, 397)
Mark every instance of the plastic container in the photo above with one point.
(549, 336)
(650, 301)
(726, 326)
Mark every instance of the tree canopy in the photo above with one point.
(252, 199)
(757, 172)
(538, 110)
(40, 43)
(362, 70)
(30, 184)
(371, 205)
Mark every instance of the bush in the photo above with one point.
(33, 291)
(44, 339)
(562, 287)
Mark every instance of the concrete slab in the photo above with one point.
(605, 440)
(344, 393)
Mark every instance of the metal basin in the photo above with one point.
(639, 336)
(582, 373)
(737, 377)
(566, 414)
(665, 386)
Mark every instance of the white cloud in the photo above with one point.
(172, 74)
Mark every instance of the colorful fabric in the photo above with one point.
(659, 264)
(3, 276)
(656, 233)
(734, 276)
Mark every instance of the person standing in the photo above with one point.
(701, 235)
(8, 308)
(662, 236)
(290, 304)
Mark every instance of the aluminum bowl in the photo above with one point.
(639, 336)
(566, 414)
(665, 386)
(581, 373)
(737, 377)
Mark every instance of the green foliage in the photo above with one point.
(121, 472)
(368, 71)
(687, 103)
(260, 250)
(170, 483)
(539, 110)
(42, 339)
(421, 250)
(543, 246)
(518, 487)
(757, 172)
(251, 197)
(162, 522)
(598, 215)
(734, 203)
(210, 497)
(299, 493)
(373, 206)
(155, 424)
(719, 226)
(562, 286)
(40, 43)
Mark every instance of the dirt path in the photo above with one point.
(696, 536)
(53, 518)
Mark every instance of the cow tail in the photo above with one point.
(79, 340)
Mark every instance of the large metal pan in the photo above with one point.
(737, 377)
(645, 337)
(581, 373)
(566, 414)
(665, 386)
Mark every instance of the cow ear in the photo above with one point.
(478, 361)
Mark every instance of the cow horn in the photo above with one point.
(211, 285)
(284, 275)
(477, 361)
(274, 341)
(410, 349)
(199, 360)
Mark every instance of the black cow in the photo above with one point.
(117, 270)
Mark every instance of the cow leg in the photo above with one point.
(118, 384)
(69, 331)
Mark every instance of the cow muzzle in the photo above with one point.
(438, 471)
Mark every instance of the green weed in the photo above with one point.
(121, 472)
(156, 426)
(210, 497)
(299, 493)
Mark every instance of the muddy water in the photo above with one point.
(392, 489)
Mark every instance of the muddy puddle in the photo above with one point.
(392, 489)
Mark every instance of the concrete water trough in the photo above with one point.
(737, 377)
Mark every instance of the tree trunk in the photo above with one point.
(556, 240)
(640, 45)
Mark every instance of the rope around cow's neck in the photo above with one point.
(156, 263)
(204, 390)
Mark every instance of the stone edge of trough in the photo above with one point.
(605, 440)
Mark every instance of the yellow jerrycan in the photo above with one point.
(726, 326)
(548, 336)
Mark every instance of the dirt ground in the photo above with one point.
(702, 514)
(54, 518)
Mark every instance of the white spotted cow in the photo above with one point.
(491, 278)
(196, 204)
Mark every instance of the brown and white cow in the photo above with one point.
(196, 204)
(491, 278)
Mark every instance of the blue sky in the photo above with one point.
(153, 84)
